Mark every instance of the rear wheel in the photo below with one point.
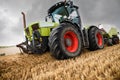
(96, 40)
(65, 41)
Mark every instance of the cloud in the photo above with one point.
(39, 10)
(91, 11)
(8, 22)
(11, 29)
(100, 11)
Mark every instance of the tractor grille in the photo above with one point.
(35, 26)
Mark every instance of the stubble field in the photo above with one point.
(90, 65)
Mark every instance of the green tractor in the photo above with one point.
(64, 36)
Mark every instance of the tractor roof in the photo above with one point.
(54, 7)
(57, 5)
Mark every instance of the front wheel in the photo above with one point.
(65, 41)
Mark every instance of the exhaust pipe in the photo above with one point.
(24, 20)
(21, 45)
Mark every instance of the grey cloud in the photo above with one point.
(100, 11)
(16, 5)
(18, 29)
(2, 26)
(91, 11)
(39, 10)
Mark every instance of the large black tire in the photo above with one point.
(65, 41)
(96, 40)
(115, 39)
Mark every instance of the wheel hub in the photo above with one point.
(99, 39)
(71, 41)
(68, 42)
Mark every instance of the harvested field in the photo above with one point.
(96, 65)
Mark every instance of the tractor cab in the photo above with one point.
(64, 11)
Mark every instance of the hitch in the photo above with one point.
(21, 46)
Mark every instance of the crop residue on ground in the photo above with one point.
(95, 65)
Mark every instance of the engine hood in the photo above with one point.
(44, 24)
(43, 27)
(48, 24)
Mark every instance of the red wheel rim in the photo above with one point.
(71, 41)
(99, 39)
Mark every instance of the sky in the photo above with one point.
(92, 12)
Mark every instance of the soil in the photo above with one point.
(102, 64)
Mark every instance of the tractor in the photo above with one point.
(64, 36)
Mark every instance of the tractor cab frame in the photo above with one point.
(62, 11)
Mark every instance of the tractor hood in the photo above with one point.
(43, 27)
(48, 24)
(44, 24)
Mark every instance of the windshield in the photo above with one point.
(63, 13)
(60, 14)
(73, 14)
